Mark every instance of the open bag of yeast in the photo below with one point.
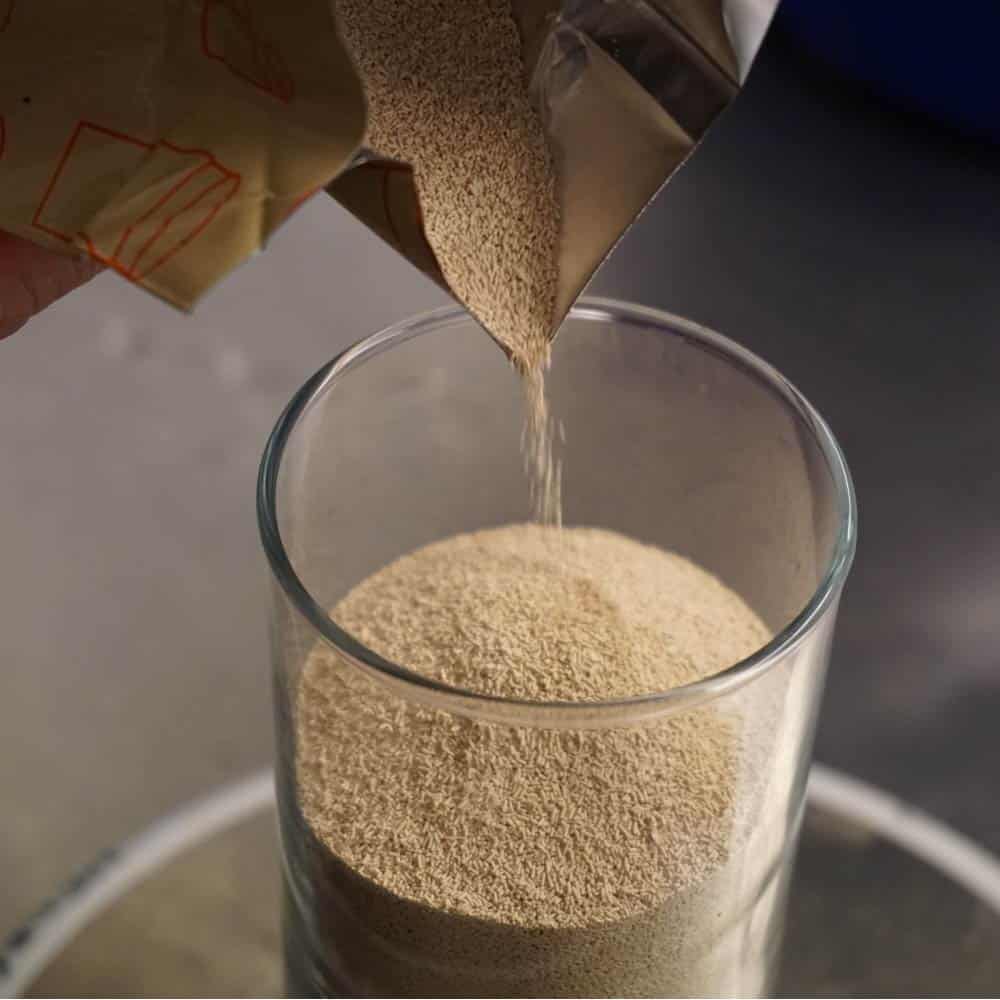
(502, 146)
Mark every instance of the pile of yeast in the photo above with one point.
(493, 840)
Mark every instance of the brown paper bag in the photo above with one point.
(170, 139)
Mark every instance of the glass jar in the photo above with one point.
(674, 436)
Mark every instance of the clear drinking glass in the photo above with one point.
(674, 436)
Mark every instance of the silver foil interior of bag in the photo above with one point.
(625, 90)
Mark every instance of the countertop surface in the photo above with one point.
(853, 247)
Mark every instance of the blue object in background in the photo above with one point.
(938, 59)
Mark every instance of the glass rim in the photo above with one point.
(417, 687)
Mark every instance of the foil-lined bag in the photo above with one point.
(169, 140)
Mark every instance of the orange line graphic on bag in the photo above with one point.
(228, 35)
(161, 221)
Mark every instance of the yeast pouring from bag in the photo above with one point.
(502, 146)
(509, 145)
